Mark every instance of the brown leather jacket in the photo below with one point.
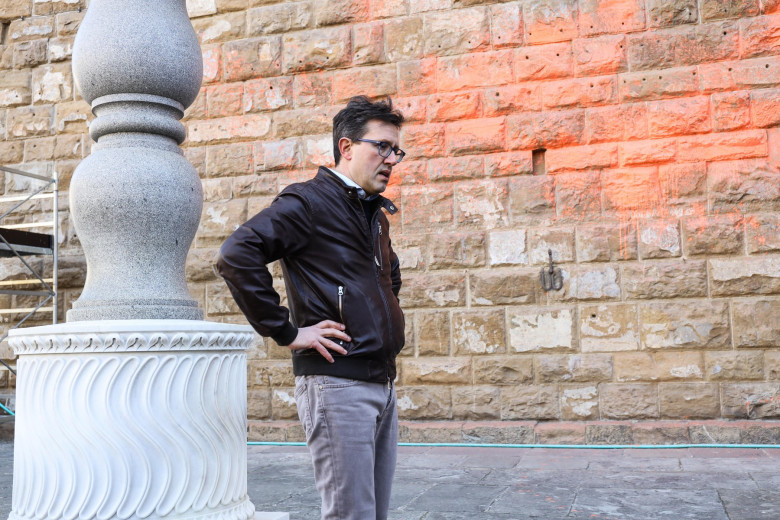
(338, 265)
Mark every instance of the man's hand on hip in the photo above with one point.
(316, 337)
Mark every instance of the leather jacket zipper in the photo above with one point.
(341, 303)
(378, 248)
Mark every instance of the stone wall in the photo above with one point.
(655, 182)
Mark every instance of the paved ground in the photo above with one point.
(548, 484)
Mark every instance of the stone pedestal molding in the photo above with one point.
(135, 408)
(131, 419)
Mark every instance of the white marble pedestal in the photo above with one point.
(122, 419)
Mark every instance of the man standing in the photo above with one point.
(345, 325)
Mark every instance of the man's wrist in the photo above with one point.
(286, 336)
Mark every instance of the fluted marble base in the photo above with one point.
(131, 419)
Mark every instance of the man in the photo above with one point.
(342, 279)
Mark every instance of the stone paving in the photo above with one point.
(523, 483)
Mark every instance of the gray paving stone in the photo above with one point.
(457, 498)
(638, 464)
(534, 480)
(669, 480)
(639, 504)
(535, 502)
(757, 505)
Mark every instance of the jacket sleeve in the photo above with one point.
(395, 272)
(280, 230)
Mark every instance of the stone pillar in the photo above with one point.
(135, 408)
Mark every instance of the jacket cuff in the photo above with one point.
(286, 336)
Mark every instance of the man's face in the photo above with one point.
(366, 167)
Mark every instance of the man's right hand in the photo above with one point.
(316, 337)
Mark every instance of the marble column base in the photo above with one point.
(131, 419)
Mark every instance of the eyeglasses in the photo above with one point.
(385, 148)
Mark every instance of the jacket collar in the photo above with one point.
(352, 192)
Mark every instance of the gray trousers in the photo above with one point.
(352, 433)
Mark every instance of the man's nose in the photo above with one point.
(391, 159)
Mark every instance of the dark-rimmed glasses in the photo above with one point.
(385, 148)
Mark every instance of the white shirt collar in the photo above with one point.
(349, 182)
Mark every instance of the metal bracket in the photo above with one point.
(552, 278)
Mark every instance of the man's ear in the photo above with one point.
(345, 148)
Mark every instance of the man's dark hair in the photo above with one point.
(351, 120)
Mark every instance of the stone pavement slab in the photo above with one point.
(453, 483)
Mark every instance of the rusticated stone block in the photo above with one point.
(311, 90)
(426, 206)
(537, 330)
(433, 333)
(541, 241)
(588, 157)
(251, 126)
(555, 129)
(537, 62)
(550, 21)
(633, 190)
(602, 243)
(498, 433)
(610, 16)
(743, 186)
(453, 107)
(222, 28)
(454, 168)
(258, 404)
(29, 54)
(404, 38)
(253, 57)
(434, 290)
(530, 402)
(683, 181)
(283, 405)
(510, 100)
(506, 25)
(40, 149)
(765, 107)
(613, 434)
(481, 204)
(473, 32)
(760, 36)
(531, 199)
(482, 69)
(378, 81)
(200, 263)
(420, 371)
(756, 323)
(262, 94)
(648, 85)
(430, 402)
(621, 122)
(478, 332)
(660, 433)
(68, 23)
(280, 18)
(508, 247)
(578, 196)
(11, 151)
(601, 55)
(663, 13)
(504, 287)
(668, 279)
(475, 136)
(219, 219)
(476, 403)
(52, 83)
(750, 400)
(583, 283)
(659, 239)
(25, 29)
(12, 9)
(688, 45)
(228, 160)
(644, 152)
(579, 403)
(734, 366)
(715, 9)
(417, 77)
(368, 43)
(679, 116)
(682, 325)
(557, 433)
(574, 368)
(15, 88)
(772, 365)
(290, 123)
(730, 111)
(503, 371)
(761, 434)
(410, 251)
(723, 146)
(658, 366)
(453, 250)
(744, 276)
(628, 401)
(26, 122)
(572, 93)
(609, 328)
(316, 50)
(713, 235)
(715, 433)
